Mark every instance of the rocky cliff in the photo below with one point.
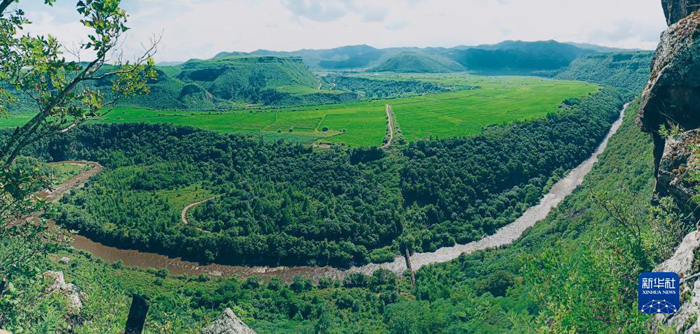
(676, 10)
(228, 323)
(670, 111)
(671, 100)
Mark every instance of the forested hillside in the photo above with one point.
(517, 57)
(627, 71)
(412, 62)
(234, 82)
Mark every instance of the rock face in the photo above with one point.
(679, 158)
(685, 320)
(676, 10)
(228, 323)
(74, 296)
(671, 99)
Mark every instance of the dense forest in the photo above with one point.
(627, 71)
(511, 57)
(415, 62)
(466, 188)
(283, 203)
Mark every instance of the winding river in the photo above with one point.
(504, 236)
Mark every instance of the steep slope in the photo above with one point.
(251, 79)
(671, 105)
(228, 82)
(412, 62)
(225, 83)
(220, 74)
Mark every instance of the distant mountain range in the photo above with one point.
(266, 78)
(512, 57)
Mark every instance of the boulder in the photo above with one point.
(228, 323)
(676, 10)
(681, 263)
(64, 260)
(74, 297)
(682, 260)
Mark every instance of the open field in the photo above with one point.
(65, 171)
(460, 113)
(500, 100)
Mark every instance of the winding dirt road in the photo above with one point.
(190, 206)
(504, 236)
(55, 194)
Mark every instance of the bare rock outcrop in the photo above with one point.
(671, 98)
(678, 161)
(676, 10)
(228, 323)
(685, 320)
(74, 297)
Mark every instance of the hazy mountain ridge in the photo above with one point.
(520, 56)
(234, 80)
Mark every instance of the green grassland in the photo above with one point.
(500, 100)
(65, 171)
(460, 113)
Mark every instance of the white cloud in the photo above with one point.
(202, 28)
(318, 10)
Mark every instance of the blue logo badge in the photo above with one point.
(659, 293)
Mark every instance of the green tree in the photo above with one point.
(35, 66)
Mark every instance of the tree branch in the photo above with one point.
(4, 5)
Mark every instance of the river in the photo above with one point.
(504, 236)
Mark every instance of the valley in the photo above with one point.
(504, 236)
(486, 188)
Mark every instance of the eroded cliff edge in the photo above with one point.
(670, 104)
(670, 112)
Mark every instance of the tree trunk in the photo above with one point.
(410, 267)
(137, 315)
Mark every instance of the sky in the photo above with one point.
(203, 28)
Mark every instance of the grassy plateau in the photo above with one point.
(495, 100)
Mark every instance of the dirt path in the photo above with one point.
(190, 206)
(504, 236)
(390, 124)
(77, 181)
